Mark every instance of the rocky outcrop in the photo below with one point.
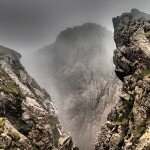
(28, 117)
(128, 124)
(79, 65)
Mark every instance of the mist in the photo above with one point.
(30, 25)
(80, 81)
(78, 72)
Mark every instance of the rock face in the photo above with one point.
(128, 124)
(28, 118)
(80, 65)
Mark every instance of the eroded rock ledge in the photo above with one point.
(128, 124)
(28, 117)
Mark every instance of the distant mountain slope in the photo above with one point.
(79, 64)
(28, 118)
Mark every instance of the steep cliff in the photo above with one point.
(28, 118)
(79, 65)
(128, 124)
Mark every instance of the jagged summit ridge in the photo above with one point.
(6, 52)
(128, 124)
(84, 30)
(133, 33)
(28, 117)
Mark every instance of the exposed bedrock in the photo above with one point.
(128, 124)
(28, 117)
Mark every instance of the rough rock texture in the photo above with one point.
(28, 118)
(128, 124)
(80, 65)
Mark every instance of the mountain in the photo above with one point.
(80, 68)
(128, 124)
(28, 117)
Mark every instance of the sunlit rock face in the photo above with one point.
(28, 117)
(79, 65)
(128, 124)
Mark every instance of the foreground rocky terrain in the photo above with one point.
(28, 117)
(128, 124)
(79, 65)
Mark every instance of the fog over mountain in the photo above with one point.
(67, 46)
(77, 70)
(28, 25)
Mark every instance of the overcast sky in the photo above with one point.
(28, 25)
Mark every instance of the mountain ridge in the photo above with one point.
(28, 117)
(127, 126)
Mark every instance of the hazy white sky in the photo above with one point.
(27, 25)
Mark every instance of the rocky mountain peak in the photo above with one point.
(79, 65)
(84, 30)
(128, 124)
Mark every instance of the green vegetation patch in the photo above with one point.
(122, 122)
(145, 73)
(137, 132)
(14, 135)
(22, 126)
(2, 124)
(8, 85)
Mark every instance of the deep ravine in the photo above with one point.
(78, 68)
